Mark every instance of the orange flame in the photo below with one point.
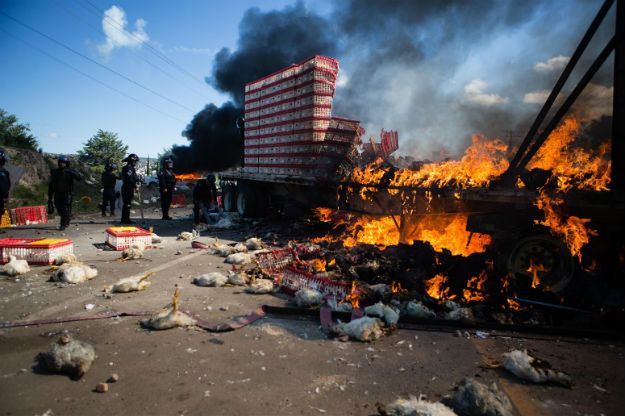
(318, 265)
(534, 269)
(188, 177)
(323, 214)
(475, 287)
(353, 296)
(436, 288)
(572, 229)
(396, 288)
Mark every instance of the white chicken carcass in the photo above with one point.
(156, 239)
(68, 356)
(221, 249)
(390, 315)
(132, 284)
(239, 258)
(363, 329)
(134, 251)
(240, 248)
(475, 398)
(418, 310)
(254, 243)
(76, 272)
(213, 279)
(188, 236)
(305, 298)
(170, 317)
(260, 286)
(15, 267)
(417, 407)
(238, 278)
(529, 368)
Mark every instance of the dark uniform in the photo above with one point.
(109, 178)
(204, 196)
(166, 184)
(61, 190)
(130, 182)
(5, 182)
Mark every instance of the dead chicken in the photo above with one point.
(239, 258)
(363, 329)
(76, 272)
(134, 251)
(66, 258)
(15, 267)
(170, 317)
(240, 248)
(389, 314)
(132, 284)
(474, 398)
(254, 243)
(260, 286)
(416, 407)
(238, 278)
(305, 298)
(417, 310)
(214, 279)
(67, 356)
(222, 250)
(188, 236)
(529, 368)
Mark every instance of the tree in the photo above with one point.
(15, 134)
(104, 146)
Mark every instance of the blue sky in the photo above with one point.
(65, 108)
(437, 74)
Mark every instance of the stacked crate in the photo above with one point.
(289, 128)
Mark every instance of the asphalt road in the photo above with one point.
(274, 366)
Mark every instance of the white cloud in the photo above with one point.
(474, 92)
(114, 26)
(552, 64)
(53, 135)
(342, 79)
(536, 97)
(191, 50)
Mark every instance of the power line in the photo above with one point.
(96, 62)
(97, 31)
(88, 76)
(153, 49)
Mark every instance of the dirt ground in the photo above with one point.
(278, 365)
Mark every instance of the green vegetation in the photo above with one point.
(15, 134)
(104, 146)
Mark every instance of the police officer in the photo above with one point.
(109, 178)
(130, 184)
(166, 184)
(204, 196)
(61, 190)
(5, 181)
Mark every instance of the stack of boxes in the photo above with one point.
(289, 128)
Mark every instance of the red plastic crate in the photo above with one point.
(35, 250)
(294, 279)
(273, 262)
(178, 200)
(120, 238)
(29, 215)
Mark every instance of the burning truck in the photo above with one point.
(498, 221)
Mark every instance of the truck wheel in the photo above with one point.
(246, 202)
(229, 199)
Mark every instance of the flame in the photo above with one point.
(332, 262)
(534, 269)
(353, 296)
(572, 230)
(513, 304)
(475, 288)
(323, 214)
(396, 288)
(436, 288)
(381, 232)
(188, 177)
(318, 265)
(573, 167)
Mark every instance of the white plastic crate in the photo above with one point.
(35, 250)
(120, 238)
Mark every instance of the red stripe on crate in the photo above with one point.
(299, 74)
(299, 131)
(294, 87)
(293, 121)
(295, 143)
(295, 154)
(277, 113)
(318, 57)
(286, 165)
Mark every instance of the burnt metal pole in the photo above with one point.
(568, 102)
(558, 87)
(618, 109)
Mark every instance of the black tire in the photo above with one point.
(247, 204)
(229, 198)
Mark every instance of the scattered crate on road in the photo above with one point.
(35, 250)
(294, 280)
(273, 262)
(29, 215)
(120, 238)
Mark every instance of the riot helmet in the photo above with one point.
(63, 161)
